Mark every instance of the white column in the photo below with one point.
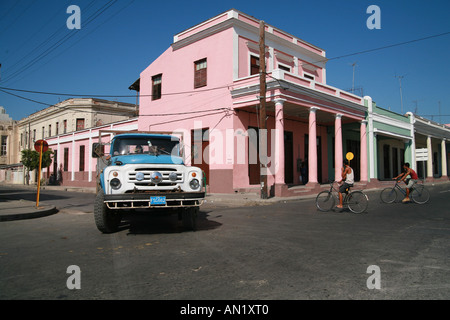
(279, 131)
(363, 148)
(72, 176)
(338, 151)
(312, 147)
(90, 156)
(430, 158)
(444, 158)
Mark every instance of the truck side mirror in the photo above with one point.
(97, 150)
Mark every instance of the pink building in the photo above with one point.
(206, 84)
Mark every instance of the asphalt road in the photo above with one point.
(285, 251)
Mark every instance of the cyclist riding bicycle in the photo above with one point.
(349, 177)
(410, 182)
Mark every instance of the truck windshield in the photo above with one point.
(128, 146)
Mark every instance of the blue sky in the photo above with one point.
(108, 53)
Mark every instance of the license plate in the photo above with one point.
(157, 200)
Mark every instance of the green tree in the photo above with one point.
(30, 159)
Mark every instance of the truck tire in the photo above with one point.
(107, 220)
(189, 217)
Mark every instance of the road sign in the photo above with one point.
(422, 154)
(39, 143)
(349, 156)
(40, 146)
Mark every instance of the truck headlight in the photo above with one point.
(194, 184)
(173, 176)
(156, 177)
(115, 183)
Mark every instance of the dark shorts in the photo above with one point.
(345, 187)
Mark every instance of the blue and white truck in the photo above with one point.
(145, 171)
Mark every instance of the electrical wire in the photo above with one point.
(60, 42)
(380, 48)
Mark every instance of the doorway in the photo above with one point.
(200, 143)
(288, 157)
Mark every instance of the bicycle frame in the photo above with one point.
(403, 190)
(332, 188)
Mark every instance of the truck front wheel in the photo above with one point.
(107, 220)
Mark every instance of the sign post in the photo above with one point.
(422, 155)
(40, 146)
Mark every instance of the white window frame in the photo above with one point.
(284, 65)
(250, 62)
(310, 75)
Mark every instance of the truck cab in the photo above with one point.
(145, 171)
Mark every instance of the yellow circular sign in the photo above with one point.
(349, 156)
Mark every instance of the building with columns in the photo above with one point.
(434, 138)
(207, 85)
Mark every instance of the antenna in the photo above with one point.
(416, 107)
(440, 119)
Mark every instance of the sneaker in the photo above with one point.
(405, 200)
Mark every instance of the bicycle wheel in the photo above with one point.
(420, 195)
(357, 202)
(388, 195)
(325, 201)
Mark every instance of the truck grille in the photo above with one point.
(148, 171)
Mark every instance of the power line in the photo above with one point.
(60, 42)
(141, 115)
(380, 48)
(112, 96)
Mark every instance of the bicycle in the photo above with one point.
(356, 201)
(418, 194)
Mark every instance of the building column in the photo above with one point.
(430, 158)
(444, 158)
(312, 147)
(363, 148)
(279, 132)
(338, 151)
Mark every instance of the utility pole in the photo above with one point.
(353, 82)
(262, 111)
(401, 95)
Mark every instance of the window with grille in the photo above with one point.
(66, 159)
(156, 87)
(82, 150)
(80, 124)
(200, 73)
(254, 65)
(4, 145)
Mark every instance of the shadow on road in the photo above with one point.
(12, 194)
(142, 222)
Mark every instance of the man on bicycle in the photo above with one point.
(349, 178)
(410, 182)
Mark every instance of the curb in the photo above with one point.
(32, 214)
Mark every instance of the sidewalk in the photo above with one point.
(13, 207)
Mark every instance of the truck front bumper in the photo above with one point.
(154, 200)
